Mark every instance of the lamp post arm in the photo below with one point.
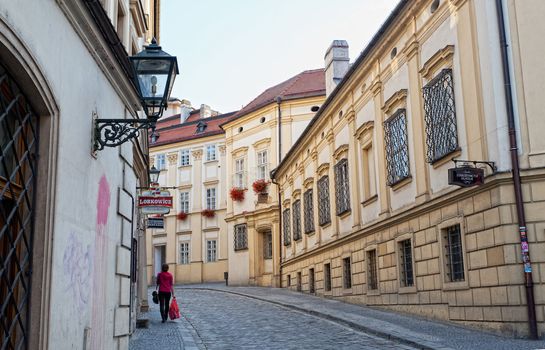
(114, 132)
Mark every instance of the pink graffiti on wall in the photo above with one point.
(99, 273)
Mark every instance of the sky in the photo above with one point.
(229, 51)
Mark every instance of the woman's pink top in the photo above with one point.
(164, 280)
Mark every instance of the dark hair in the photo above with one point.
(164, 267)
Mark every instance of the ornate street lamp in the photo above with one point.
(154, 71)
(154, 175)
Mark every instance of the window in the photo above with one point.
(262, 166)
(327, 277)
(309, 211)
(347, 273)
(342, 192)
(369, 180)
(454, 255)
(241, 237)
(211, 198)
(311, 281)
(372, 281)
(406, 263)
(324, 215)
(201, 127)
(397, 149)
(184, 253)
(267, 245)
(299, 282)
(184, 157)
(296, 220)
(440, 116)
(210, 152)
(161, 163)
(184, 202)
(286, 226)
(211, 255)
(289, 280)
(239, 173)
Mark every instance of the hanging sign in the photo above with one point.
(155, 202)
(466, 176)
(156, 223)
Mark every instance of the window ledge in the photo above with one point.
(373, 292)
(347, 291)
(325, 224)
(446, 158)
(407, 290)
(210, 161)
(344, 214)
(310, 233)
(401, 183)
(184, 166)
(241, 249)
(370, 200)
(460, 285)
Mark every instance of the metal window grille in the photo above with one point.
(211, 251)
(241, 237)
(372, 280)
(184, 157)
(311, 281)
(161, 162)
(309, 212)
(286, 226)
(296, 220)
(327, 277)
(184, 202)
(18, 171)
(347, 273)
(184, 253)
(324, 214)
(299, 282)
(455, 259)
(440, 116)
(397, 148)
(268, 246)
(342, 191)
(211, 198)
(210, 152)
(407, 277)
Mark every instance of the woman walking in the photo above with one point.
(164, 283)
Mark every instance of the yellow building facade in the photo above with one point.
(368, 215)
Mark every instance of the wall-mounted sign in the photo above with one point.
(155, 202)
(466, 176)
(156, 223)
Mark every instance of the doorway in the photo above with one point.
(160, 258)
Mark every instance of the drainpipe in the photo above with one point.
(529, 284)
(278, 103)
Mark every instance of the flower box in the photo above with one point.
(237, 194)
(181, 216)
(260, 186)
(208, 213)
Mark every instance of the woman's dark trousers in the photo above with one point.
(164, 303)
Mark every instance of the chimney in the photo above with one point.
(337, 63)
(206, 111)
(185, 110)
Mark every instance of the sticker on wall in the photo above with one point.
(524, 246)
(527, 268)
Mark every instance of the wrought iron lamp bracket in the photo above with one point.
(114, 132)
(492, 165)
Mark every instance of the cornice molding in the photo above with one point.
(262, 143)
(340, 151)
(441, 58)
(323, 168)
(399, 97)
(364, 129)
(240, 151)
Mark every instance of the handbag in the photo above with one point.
(174, 311)
(154, 297)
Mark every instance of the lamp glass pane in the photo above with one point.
(152, 85)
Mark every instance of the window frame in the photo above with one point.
(296, 213)
(324, 206)
(161, 161)
(239, 172)
(240, 237)
(406, 264)
(286, 224)
(183, 153)
(211, 154)
(183, 202)
(267, 245)
(187, 253)
(327, 277)
(347, 272)
(211, 199)
(262, 165)
(308, 208)
(371, 258)
(397, 160)
(211, 251)
(342, 187)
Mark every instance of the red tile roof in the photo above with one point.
(306, 84)
(171, 131)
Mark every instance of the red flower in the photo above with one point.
(260, 186)
(237, 194)
(182, 216)
(208, 213)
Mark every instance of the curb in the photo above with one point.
(424, 345)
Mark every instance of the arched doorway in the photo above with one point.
(19, 130)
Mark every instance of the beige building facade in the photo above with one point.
(368, 215)
(252, 138)
(189, 150)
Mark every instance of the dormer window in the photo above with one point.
(201, 126)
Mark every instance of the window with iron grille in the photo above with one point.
(267, 245)
(347, 273)
(309, 212)
(18, 170)
(239, 173)
(299, 282)
(184, 202)
(211, 198)
(372, 274)
(454, 254)
(184, 157)
(286, 226)
(296, 220)
(184, 253)
(262, 166)
(397, 148)
(327, 277)
(342, 191)
(324, 214)
(211, 251)
(440, 116)
(289, 280)
(241, 237)
(311, 281)
(160, 163)
(406, 263)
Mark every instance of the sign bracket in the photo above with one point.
(492, 165)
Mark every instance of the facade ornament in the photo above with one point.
(172, 158)
(222, 149)
(197, 154)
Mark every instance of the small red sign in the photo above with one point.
(148, 201)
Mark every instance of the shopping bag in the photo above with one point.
(174, 311)
(154, 297)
